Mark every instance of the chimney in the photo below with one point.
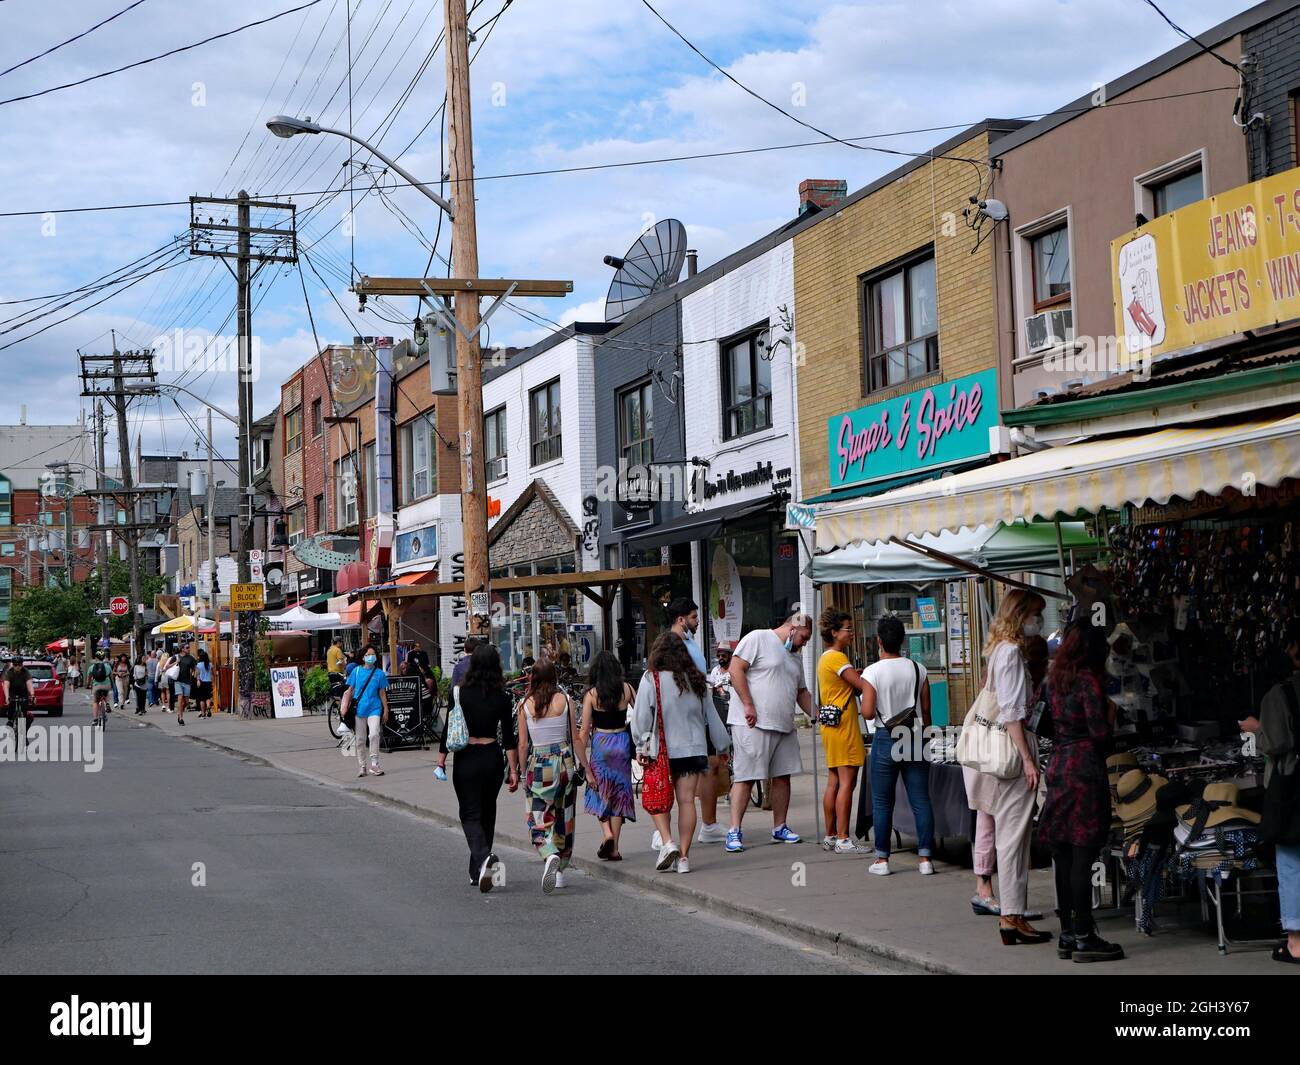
(692, 261)
(22, 414)
(821, 194)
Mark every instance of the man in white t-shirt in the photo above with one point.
(767, 683)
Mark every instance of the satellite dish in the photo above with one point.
(652, 264)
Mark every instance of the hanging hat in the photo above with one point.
(1222, 798)
(1135, 796)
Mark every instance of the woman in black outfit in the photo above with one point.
(477, 771)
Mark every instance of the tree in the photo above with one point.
(41, 615)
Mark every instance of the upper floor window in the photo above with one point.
(296, 519)
(1178, 190)
(6, 502)
(418, 458)
(345, 488)
(636, 425)
(494, 444)
(316, 424)
(319, 506)
(1050, 255)
(293, 430)
(902, 327)
(544, 423)
(746, 385)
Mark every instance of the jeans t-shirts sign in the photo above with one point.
(929, 428)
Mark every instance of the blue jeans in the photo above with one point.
(885, 770)
(1288, 884)
(152, 699)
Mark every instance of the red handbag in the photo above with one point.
(657, 781)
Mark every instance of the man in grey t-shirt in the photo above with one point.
(767, 683)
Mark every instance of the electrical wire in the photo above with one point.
(1182, 32)
(156, 58)
(70, 40)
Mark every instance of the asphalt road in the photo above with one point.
(100, 874)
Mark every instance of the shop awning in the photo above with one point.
(1074, 480)
(304, 620)
(702, 524)
(877, 487)
(1013, 548)
(424, 576)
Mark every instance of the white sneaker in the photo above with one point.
(845, 846)
(879, 867)
(668, 854)
(683, 865)
(549, 874)
(714, 833)
(828, 843)
(559, 879)
(656, 841)
(926, 867)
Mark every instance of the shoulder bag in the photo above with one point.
(984, 745)
(829, 715)
(457, 730)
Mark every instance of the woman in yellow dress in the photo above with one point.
(838, 685)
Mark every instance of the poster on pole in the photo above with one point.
(286, 692)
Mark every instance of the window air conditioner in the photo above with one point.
(1049, 328)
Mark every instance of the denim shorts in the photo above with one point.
(182, 688)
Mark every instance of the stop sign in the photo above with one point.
(120, 606)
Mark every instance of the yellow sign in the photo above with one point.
(246, 597)
(1211, 269)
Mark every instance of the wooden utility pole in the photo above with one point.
(469, 374)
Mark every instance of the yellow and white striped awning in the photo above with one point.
(1076, 479)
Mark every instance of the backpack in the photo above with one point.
(99, 672)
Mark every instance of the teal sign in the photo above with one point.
(927, 429)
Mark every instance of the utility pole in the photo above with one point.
(469, 372)
(102, 501)
(274, 241)
(212, 536)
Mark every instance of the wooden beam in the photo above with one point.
(595, 597)
(579, 579)
(449, 286)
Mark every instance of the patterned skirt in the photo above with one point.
(552, 800)
(609, 793)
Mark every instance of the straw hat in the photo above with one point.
(1119, 764)
(1135, 796)
(1223, 797)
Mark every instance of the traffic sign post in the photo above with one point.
(246, 597)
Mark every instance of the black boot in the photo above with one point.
(1065, 944)
(1091, 947)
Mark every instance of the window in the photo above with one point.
(544, 423)
(494, 445)
(6, 502)
(293, 430)
(902, 329)
(7, 550)
(315, 417)
(746, 385)
(1050, 253)
(296, 517)
(418, 457)
(318, 506)
(1176, 192)
(636, 425)
(345, 487)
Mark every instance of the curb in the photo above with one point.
(839, 944)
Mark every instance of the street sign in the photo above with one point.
(120, 606)
(246, 597)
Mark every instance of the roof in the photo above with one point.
(1162, 64)
(537, 489)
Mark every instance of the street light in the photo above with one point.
(153, 389)
(287, 126)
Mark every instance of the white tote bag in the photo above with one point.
(984, 745)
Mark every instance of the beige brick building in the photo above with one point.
(899, 218)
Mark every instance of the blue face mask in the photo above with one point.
(370, 660)
(789, 644)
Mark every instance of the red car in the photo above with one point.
(46, 687)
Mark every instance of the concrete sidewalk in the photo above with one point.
(798, 891)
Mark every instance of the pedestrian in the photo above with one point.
(74, 673)
(476, 773)
(140, 684)
(185, 682)
(838, 685)
(767, 683)
(167, 670)
(674, 726)
(609, 797)
(1277, 730)
(151, 667)
(334, 657)
(684, 620)
(367, 689)
(121, 682)
(61, 668)
(19, 691)
(547, 728)
(1075, 819)
(1010, 802)
(462, 665)
(101, 680)
(203, 684)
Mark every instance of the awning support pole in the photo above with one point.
(969, 567)
(816, 702)
(1060, 552)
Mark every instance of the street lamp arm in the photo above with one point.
(392, 164)
(200, 399)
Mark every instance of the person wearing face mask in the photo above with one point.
(366, 688)
(767, 683)
(1006, 807)
(684, 620)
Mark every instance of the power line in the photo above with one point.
(1182, 32)
(164, 55)
(83, 33)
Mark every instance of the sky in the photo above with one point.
(556, 83)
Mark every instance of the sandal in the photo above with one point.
(605, 850)
(1283, 954)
